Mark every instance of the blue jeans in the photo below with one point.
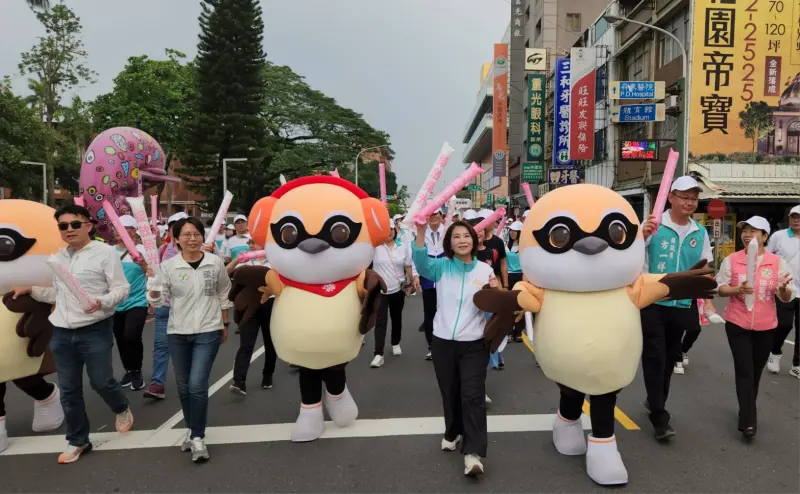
(72, 349)
(160, 347)
(192, 357)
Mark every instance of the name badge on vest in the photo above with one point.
(693, 243)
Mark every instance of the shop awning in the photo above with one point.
(782, 191)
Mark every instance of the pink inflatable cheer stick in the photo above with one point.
(63, 274)
(487, 222)
(451, 210)
(500, 226)
(145, 232)
(528, 194)
(335, 173)
(123, 233)
(442, 197)
(253, 254)
(752, 258)
(382, 177)
(78, 200)
(666, 183)
(221, 214)
(428, 185)
(154, 210)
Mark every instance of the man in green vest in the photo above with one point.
(677, 244)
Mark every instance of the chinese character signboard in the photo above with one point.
(653, 112)
(636, 90)
(561, 92)
(745, 77)
(532, 172)
(638, 150)
(565, 176)
(536, 105)
(499, 143)
(535, 59)
(582, 77)
(516, 99)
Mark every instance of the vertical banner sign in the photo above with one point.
(500, 96)
(536, 105)
(745, 77)
(561, 117)
(516, 111)
(582, 75)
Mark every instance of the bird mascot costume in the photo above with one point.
(582, 253)
(319, 234)
(28, 236)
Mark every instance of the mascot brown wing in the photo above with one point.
(34, 324)
(373, 285)
(247, 292)
(694, 283)
(503, 305)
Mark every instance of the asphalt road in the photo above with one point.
(402, 455)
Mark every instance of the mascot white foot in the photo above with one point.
(310, 424)
(604, 463)
(48, 414)
(342, 408)
(568, 436)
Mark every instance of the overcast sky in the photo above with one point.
(411, 67)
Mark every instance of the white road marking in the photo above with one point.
(262, 433)
(790, 342)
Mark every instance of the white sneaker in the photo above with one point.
(685, 359)
(451, 445)
(488, 400)
(774, 363)
(678, 368)
(186, 443)
(428, 356)
(199, 450)
(396, 350)
(376, 362)
(795, 371)
(48, 414)
(472, 465)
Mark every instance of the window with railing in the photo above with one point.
(632, 132)
(668, 129)
(678, 26)
(637, 63)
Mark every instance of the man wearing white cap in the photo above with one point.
(156, 389)
(786, 244)
(239, 242)
(676, 245)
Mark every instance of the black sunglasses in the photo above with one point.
(72, 224)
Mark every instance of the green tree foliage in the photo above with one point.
(756, 120)
(58, 64)
(156, 96)
(230, 88)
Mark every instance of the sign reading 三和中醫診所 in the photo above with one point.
(561, 110)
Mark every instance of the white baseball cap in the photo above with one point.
(485, 213)
(684, 183)
(128, 221)
(794, 210)
(162, 230)
(396, 217)
(239, 217)
(470, 214)
(177, 217)
(516, 226)
(525, 214)
(756, 222)
(230, 227)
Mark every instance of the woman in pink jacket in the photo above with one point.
(750, 332)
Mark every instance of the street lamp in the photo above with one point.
(359, 154)
(686, 79)
(225, 171)
(44, 177)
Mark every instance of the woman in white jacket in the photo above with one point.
(198, 286)
(460, 354)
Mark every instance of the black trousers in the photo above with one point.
(601, 409)
(750, 350)
(34, 386)
(514, 278)
(662, 332)
(128, 327)
(248, 335)
(429, 311)
(389, 305)
(689, 338)
(311, 383)
(461, 373)
(788, 314)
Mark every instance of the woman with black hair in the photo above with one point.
(460, 354)
(514, 269)
(198, 286)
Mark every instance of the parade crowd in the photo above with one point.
(192, 298)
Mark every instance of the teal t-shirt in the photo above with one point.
(137, 279)
(237, 245)
(512, 260)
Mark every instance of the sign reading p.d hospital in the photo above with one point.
(745, 77)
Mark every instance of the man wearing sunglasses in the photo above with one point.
(677, 244)
(83, 337)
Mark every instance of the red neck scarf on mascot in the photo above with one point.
(324, 289)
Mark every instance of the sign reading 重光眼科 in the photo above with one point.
(536, 106)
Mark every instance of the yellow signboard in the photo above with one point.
(745, 87)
